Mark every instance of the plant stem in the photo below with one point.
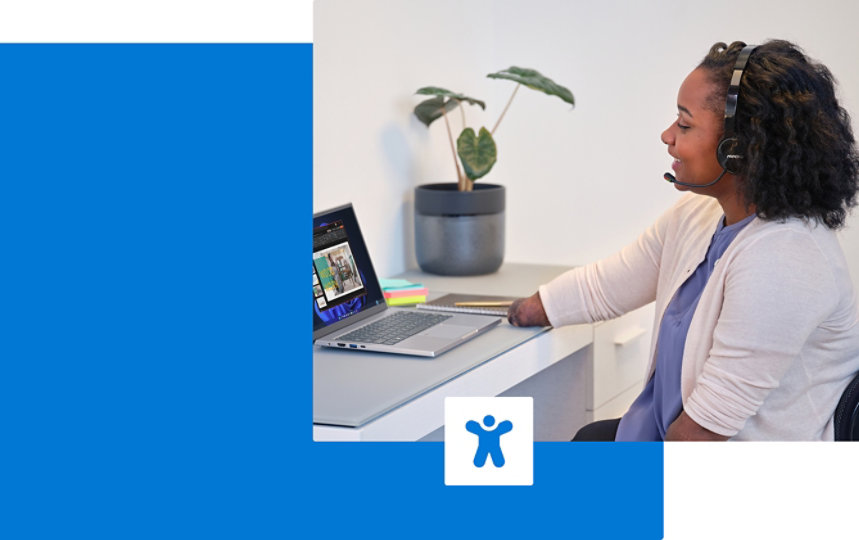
(460, 179)
(467, 183)
(509, 101)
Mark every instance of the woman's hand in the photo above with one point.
(528, 312)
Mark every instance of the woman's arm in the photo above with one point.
(621, 282)
(598, 291)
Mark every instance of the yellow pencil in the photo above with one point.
(505, 303)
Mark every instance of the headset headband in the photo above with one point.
(734, 90)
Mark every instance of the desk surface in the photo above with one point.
(512, 279)
(353, 388)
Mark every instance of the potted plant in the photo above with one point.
(459, 227)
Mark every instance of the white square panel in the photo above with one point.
(489, 441)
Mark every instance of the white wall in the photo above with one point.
(581, 183)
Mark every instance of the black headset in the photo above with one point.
(728, 144)
(724, 151)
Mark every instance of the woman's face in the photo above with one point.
(693, 137)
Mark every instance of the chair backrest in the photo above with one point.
(847, 413)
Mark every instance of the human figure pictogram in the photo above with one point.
(489, 441)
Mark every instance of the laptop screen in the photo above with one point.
(344, 282)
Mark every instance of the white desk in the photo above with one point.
(554, 366)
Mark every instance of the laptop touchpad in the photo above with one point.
(451, 331)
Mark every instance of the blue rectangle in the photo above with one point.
(156, 215)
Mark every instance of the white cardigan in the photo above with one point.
(774, 340)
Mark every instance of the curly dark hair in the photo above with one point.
(800, 155)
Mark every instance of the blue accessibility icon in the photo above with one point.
(489, 440)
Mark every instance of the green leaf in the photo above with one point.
(436, 91)
(477, 152)
(533, 79)
(430, 110)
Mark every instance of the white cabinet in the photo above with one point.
(620, 352)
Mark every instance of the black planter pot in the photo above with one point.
(459, 233)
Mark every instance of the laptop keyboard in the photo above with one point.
(394, 328)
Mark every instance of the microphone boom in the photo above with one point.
(670, 178)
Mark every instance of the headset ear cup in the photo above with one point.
(723, 150)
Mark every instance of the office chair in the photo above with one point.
(847, 413)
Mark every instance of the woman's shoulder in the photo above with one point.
(793, 245)
(793, 230)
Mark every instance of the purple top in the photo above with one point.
(659, 404)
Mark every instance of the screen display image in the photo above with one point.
(344, 282)
(334, 266)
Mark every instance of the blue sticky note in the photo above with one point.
(388, 284)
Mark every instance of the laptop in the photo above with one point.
(349, 310)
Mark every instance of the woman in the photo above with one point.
(756, 332)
